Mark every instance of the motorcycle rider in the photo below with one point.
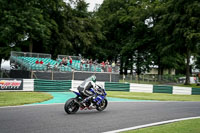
(88, 89)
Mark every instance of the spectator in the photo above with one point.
(64, 61)
(103, 65)
(95, 65)
(48, 66)
(113, 66)
(56, 67)
(82, 61)
(87, 65)
(106, 63)
(37, 61)
(81, 65)
(70, 60)
(90, 62)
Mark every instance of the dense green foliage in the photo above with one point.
(140, 33)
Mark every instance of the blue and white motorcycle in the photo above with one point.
(98, 102)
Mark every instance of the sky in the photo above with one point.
(92, 4)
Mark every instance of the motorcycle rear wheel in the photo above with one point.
(71, 106)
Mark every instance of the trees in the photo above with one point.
(126, 33)
(50, 26)
(138, 32)
(181, 22)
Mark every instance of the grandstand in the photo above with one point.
(27, 62)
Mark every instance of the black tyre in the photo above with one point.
(71, 106)
(102, 105)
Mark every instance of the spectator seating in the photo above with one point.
(29, 63)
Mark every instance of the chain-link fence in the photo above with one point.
(152, 79)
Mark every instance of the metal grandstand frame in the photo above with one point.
(73, 57)
(30, 54)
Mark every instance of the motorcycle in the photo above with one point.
(98, 102)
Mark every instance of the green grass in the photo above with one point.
(153, 96)
(187, 126)
(191, 85)
(21, 98)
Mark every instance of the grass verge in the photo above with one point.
(191, 85)
(153, 96)
(187, 126)
(21, 98)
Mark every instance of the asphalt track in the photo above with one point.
(52, 118)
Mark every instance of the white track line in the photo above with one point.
(151, 124)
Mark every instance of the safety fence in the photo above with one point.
(156, 79)
(65, 85)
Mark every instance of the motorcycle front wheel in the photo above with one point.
(71, 106)
(102, 105)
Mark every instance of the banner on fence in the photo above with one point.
(11, 84)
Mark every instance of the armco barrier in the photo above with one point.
(114, 86)
(141, 88)
(162, 89)
(182, 90)
(52, 85)
(195, 91)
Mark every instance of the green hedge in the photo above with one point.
(52, 85)
(115, 86)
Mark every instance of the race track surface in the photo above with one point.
(118, 115)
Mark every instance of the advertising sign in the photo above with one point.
(11, 84)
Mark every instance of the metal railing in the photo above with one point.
(152, 79)
(29, 54)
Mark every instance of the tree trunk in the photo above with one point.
(131, 65)
(0, 62)
(31, 46)
(159, 70)
(121, 65)
(187, 81)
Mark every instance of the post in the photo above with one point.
(131, 78)
(31, 74)
(72, 75)
(110, 77)
(51, 75)
(143, 78)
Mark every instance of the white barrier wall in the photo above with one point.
(182, 90)
(28, 84)
(76, 83)
(141, 88)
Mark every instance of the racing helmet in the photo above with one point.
(94, 79)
